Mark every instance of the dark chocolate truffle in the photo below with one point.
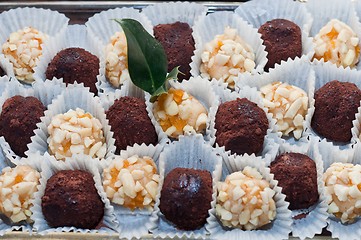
(75, 64)
(71, 199)
(178, 44)
(186, 197)
(336, 104)
(297, 175)
(130, 123)
(241, 126)
(283, 40)
(18, 120)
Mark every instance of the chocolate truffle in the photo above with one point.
(130, 123)
(71, 199)
(283, 40)
(336, 104)
(297, 176)
(241, 126)
(178, 43)
(18, 120)
(186, 197)
(75, 64)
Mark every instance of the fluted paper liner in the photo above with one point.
(206, 29)
(297, 72)
(6, 66)
(200, 89)
(75, 36)
(331, 155)
(278, 229)
(44, 91)
(189, 152)
(74, 96)
(51, 166)
(49, 22)
(325, 10)
(258, 12)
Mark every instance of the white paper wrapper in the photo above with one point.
(325, 10)
(75, 36)
(6, 66)
(331, 155)
(258, 12)
(214, 24)
(75, 96)
(316, 218)
(188, 152)
(324, 73)
(44, 91)
(51, 166)
(135, 224)
(201, 89)
(297, 72)
(280, 227)
(49, 22)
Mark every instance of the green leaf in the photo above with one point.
(173, 74)
(147, 61)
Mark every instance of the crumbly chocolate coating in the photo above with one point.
(18, 120)
(71, 199)
(336, 104)
(2, 72)
(130, 123)
(186, 197)
(178, 43)
(297, 175)
(283, 40)
(75, 64)
(241, 126)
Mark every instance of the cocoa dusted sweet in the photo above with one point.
(283, 40)
(186, 197)
(241, 126)
(178, 43)
(297, 176)
(18, 120)
(336, 104)
(71, 199)
(75, 64)
(130, 123)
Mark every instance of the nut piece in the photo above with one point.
(338, 43)
(116, 66)
(342, 185)
(76, 132)
(23, 49)
(132, 182)
(178, 113)
(17, 188)
(245, 200)
(288, 105)
(227, 56)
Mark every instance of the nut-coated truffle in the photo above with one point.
(75, 64)
(130, 123)
(71, 199)
(18, 120)
(241, 126)
(283, 40)
(297, 175)
(186, 197)
(336, 104)
(178, 43)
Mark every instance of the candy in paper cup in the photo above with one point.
(73, 97)
(51, 166)
(206, 29)
(297, 72)
(278, 228)
(259, 12)
(46, 21)
(189, 152)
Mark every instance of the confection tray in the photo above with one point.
(78, 12)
